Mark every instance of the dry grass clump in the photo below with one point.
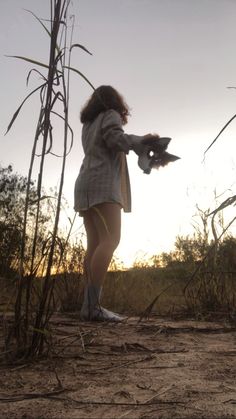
(213, 295)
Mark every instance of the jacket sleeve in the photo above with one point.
(114, 135)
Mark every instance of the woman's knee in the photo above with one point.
(115, 242)
(111, 242)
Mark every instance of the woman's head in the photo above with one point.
(102, 99)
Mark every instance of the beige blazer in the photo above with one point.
(104, 175)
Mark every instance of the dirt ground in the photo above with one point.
(157, 368)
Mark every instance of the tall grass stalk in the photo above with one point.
(30, 326)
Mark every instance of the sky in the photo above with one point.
(173, 61)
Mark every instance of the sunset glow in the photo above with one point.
(172, 61)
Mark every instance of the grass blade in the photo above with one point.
(18, 110)
(39, 20)
(71, 131)
(45, 27)
(82, 47)
(30, 72)
(225, 126)
(29, 60)
(81, 74)
(229, 201)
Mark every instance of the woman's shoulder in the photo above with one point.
(105, 119)
(111, 116)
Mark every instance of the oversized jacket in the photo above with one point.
(104, 175)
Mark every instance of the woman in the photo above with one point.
(102, 189)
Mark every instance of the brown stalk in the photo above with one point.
(30, 324)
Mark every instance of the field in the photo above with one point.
(167, 366)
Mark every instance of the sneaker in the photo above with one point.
(101, 314)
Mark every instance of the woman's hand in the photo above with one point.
(150, 139)
(140, 147)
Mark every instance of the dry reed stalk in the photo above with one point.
(30, 327)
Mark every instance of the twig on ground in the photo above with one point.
(58, 379)
(147, 401)
(124, 364)
(233, 401)
(82, 341)
(19, 367)
(26, 396)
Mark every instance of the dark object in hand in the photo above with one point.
(155, 154)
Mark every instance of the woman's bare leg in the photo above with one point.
(107, 219)
(102, 224)
(92, 242)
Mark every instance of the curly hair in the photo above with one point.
(102, 99)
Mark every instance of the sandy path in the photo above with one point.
(154, 369)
